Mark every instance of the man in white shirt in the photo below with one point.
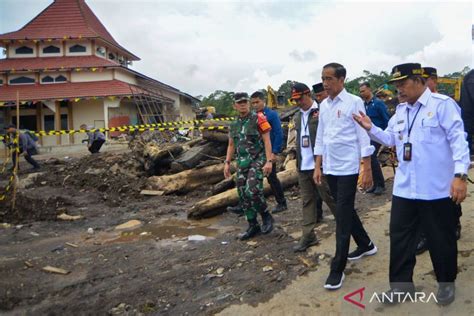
(306, 124)
(433, 155)
(340, 145)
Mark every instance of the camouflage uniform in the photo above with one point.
(250, 160)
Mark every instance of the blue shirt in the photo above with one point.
(276, 134)
(378, 113)
(439, 146)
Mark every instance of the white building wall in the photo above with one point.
(87, 76)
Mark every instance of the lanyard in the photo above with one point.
(305, 125)
(412, 123)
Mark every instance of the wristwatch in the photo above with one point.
(461, 176)
(227, 162)
(270, 161)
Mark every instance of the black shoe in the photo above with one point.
(379, 190)
(334, 280)
(396, 295)
(252, 231)
(306, 242)
(422, 245)
(267, 222)
(236, 210)
(446, 293)
(458, 231)
(362, 252)
(371, 190)
(279, 208)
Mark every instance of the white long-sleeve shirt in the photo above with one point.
(307, 157)
(340, 140)
(439, 146)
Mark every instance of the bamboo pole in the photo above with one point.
(17, 149)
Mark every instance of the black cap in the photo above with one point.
(318, 87)
(429, 72)
(298, 90)
(10, 126)
(404, 71)
(241, 96)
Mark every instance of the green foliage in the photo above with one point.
(376, 81)
(223, 101)
(285, 90)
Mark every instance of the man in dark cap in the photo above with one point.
(339, 148)
(319, 93)
(428, 132)
(26, 146)
(306, 124)
(431, 75)
(249, 136)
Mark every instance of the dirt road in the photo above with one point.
(168, 265)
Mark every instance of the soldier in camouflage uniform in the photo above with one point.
(249, 136)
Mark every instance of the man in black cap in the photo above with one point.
(27, 146)
(249, 136)
(431, 76)
(306, 124)
(428, 132)
(319, 93)
(340, 146)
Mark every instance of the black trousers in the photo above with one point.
(377, 174)
(28, 157)
(96, 145)
(343, 189)
(438, 222)
(276, 187)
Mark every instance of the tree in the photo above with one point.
(285, 90)
(222, 100)
(376, 82)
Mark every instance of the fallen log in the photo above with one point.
(224, 185)
(216, 204)
(192, 157)
(156, 153)
(187, 180)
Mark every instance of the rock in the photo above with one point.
(28, 180)
(196, 238)
(115, 168)
(90, 230)
(5, 225)
(220, 271)
(66, 217)
(94, 171)
(129, 225)
(267, 268)
(43, 182)
(252, 243)
(34, 234)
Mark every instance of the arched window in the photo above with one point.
(101, 51)
(77, 49)
(22, 80)
(24, 50)
(51, 50)
(60, 78)
(111, 56)
(47, 79)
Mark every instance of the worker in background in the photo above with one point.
(249, 136)
(431, 76)
(340, 146)
(312, 195)
(378, 113)
(467, 105)
(95, 139)
(209, 115)
(26, 145)
(428, 133)
(257, 100)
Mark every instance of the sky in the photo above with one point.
(203, 46)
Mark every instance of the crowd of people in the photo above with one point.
(338, 136)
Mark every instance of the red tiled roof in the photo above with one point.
(36, 92)
(65, 18)
(41, 63)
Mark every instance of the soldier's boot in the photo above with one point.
(236, 209)
(267, 222)
(280, 208)
(252, 230)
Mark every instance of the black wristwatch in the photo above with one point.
(227, 162)
(461, 176)
(270, 161)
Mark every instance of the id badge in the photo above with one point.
(305, 141)
(407, 151)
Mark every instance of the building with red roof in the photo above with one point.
(68, 70)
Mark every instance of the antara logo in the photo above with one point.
(357, 297)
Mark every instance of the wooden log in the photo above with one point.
(216, 204)
(156, 153)
(215, 136)
(187, 180)
(224, 185)
(195, 155)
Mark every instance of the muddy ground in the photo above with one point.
(152, 269)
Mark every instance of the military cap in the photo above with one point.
(241, 96)
(318, 87)
(298, 90)
(404, 71)
(429, 72)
